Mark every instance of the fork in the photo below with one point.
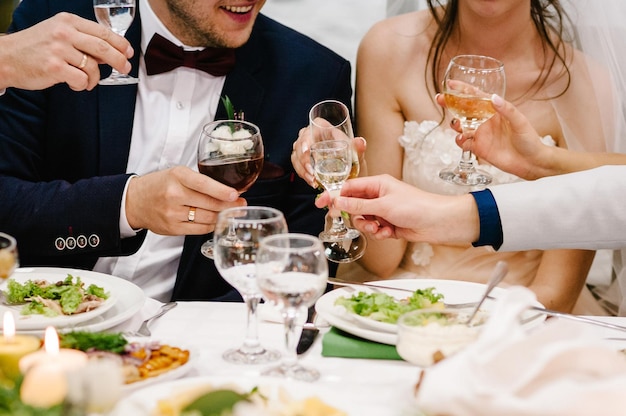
(143, 330)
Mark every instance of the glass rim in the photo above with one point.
(225, 213)
(211, 126)
(11, 239)
(337, 102)
(314, 242)
(497, 64)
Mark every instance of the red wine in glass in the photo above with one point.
(239, 172)
(231, 152)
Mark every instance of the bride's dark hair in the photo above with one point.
(548, 16)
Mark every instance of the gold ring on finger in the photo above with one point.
(191, 215)
(83, 63)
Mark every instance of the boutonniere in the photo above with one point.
(231, 114)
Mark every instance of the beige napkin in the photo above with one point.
(557, 369)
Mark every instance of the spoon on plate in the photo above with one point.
(501, 269)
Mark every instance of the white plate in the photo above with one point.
(129, 299)
(354, 400)
(453, 291)
(40, 322)
(170, 375)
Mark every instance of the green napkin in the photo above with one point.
(337, 343)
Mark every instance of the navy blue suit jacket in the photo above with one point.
(63, 154)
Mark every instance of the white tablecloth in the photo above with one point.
(370, 387)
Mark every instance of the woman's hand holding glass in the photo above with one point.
(238, 232)
(469, 83)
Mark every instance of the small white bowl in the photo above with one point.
(427, 336)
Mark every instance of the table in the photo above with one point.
(366, 387)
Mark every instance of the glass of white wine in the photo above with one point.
(468, 84)
(292, 272)
(116, 15)
(332, 164)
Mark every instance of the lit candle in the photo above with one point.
(13, 347)
(45, 372)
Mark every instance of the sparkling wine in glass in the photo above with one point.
(292, 272)
(330, 120)
(9, 260)
(238, 232)
(231, 152)
(116, 15)
(332, 164)
(468, 84)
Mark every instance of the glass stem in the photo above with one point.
(290, 358)
(466, 164)
(251, 342)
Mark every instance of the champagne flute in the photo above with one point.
(332, 164)
(9, 260)
(116, 15)
(238, 232)
(468, 84)
(231, 152)
(292, 272)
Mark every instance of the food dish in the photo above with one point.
(350, 399)
(40, 322)
(453, 291)
(174, 374)
(128, 300)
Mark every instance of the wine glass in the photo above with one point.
(9, 260)
(468, 84)
(292, 272)
(231, 152)
(237, 234)
(330, 120)
(116, 15)
(332, 164)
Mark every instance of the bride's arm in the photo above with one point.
(509, 142)
(379, 119)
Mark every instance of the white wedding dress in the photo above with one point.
(428, 148)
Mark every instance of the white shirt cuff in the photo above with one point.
(125, 229)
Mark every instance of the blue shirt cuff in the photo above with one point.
(490, 223)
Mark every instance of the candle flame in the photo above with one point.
(51, 341)
(8, 326)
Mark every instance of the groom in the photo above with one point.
(107, 179)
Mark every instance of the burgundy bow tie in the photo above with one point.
(163, 56)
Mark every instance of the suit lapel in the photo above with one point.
(241, 85)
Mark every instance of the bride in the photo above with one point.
(400, 65)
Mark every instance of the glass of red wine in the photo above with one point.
(231, 152)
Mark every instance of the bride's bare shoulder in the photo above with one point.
(399, 36)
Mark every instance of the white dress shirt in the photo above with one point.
(170, 111)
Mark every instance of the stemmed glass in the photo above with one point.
(8, 256)
(116, 15)
(332, 163)
(238, 232)
(292, 272)
(468, 84)
(231, 152)
(330, 120)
